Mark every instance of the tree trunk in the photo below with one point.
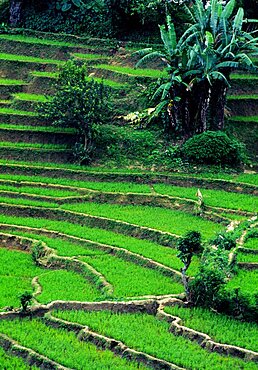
(217, 106)
(15, 12)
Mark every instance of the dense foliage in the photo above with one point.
(199, 65)
(214, 147)
(79, 103)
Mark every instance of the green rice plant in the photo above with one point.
(164, 255)
(244, 118)
(247, 281)
(251, 243)
(119, 187)
(59, 193)
(214, 198)
(176, 222)
(109, 83)
(130, 280)
(145, 333)
(16, 271)
(219, 327)
(63, 346)
(62, 247)
(235, 177)
(8, 81)
(242, 97)
(6, 126)
(151, 73)
(9, 362)
(32, 97)
(247, 257)
(27, 202)
(238, 76)
(17, 112)
(36, 40)
(66, 285)
(32, 145)
(29, 59)
(90, 56)
(44, 74)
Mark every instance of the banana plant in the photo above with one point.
(200, 62)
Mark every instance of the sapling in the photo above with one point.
(25, 299)
(187, 246)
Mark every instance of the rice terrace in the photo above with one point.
(128, 184)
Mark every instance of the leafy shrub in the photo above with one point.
(225, 240)
(213, 147)
(212, 275)
(25, 299)
(78, 103)
(238, 304)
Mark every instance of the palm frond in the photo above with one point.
(228, 10)
(150, 56)
(238, 21)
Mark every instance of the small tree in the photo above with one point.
(79, 103)
(187, 246)
(211, 277)
(25, 299)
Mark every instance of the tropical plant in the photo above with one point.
(200, 63)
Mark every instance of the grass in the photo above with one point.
(238, 76)
(247, 257)
(90, 56)
(10, 82)
(66, 285)
(62, 247)
(152, 73)
(27, 202)
(63, 346)
(29, 59)
(164, 255)
(39, 98)
(242, 97)
(6, 126)
(219, 327)
(119, 187)
(17, 112)
(36, 40)
(109, 83)
(145, 333)
(24, 145)
(251, 243)
(168, 220)
(16, 273)
(247, 281)
(44, 74)
(243, 178)
(49, 192)
(244, 118)
(9, 362)
(130, 280)
(215, 198)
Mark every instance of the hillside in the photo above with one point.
(93, 251)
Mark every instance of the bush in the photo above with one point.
(225, 240)
(212, 276)
(214, 147)
(78, 103)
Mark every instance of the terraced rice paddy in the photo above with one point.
(96, 248)
(114, 241)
